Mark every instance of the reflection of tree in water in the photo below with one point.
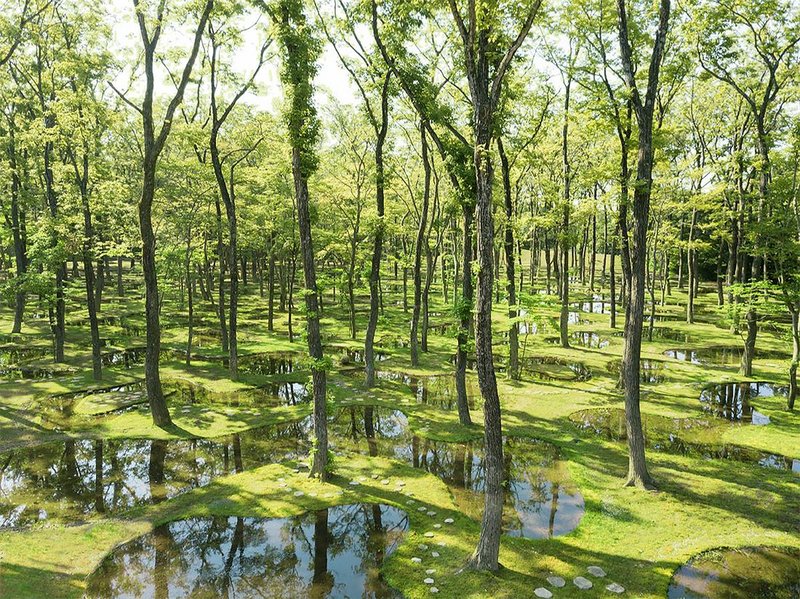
(72, 478)
(335, 551)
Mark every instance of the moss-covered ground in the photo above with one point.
(637, 537)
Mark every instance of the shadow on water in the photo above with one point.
(335, 552)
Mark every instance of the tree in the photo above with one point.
(644, 107)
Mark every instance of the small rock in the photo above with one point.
(542, 592)
(434, 554)
(430, 571)
(448, 520)
(616, 588)
(437, 525)
(416, 560)
(431, 514)
(385, 481)
(596, 571)
(582, 583)
(556, 581)
(374, 477)
(298, 493)
(429, 534)
(434, 590)
(422, 509)
(354, 483)
(423, 547)
(441, 544)
(429, 581)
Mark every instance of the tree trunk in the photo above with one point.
(421, 239)
(508, 245)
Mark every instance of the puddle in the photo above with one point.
(541, 501)
(356, 356)
(10, 355)
(546, 368)
(650, 371)
(718, 355)
(437, 390)
(335, 552)
(585, 339)
(670, 436)
(666, 334)
(71, 480)
(593, 307)
(742, 573)
(127, 357)
(270, 394)
(732, 400)
(269, 364)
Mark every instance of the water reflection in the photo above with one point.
(436, 390)
(72, 479)
(732, 400)
(585, 339)
(742, 573)
(335, 552)
(650, 371)
(541, 502)
(675, 435)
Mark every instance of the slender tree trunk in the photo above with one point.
(508, 245)
(418, 249)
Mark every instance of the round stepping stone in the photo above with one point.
(422, 509)
(615, 588)
(434, 590)
(423, 547)
(416, 560)
(431, 514)
(434, 554)
(582, 583)
(437, 525)
(596, 571)
(429, 534)
(556, 581)
(448, 520)
(542, 592)
(429, 581)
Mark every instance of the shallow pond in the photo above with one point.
(732, 400)
(593, 307)
(335, 552)
(68, 480)
(436, 390)
(585, 339)
(650, 371)
(546, 368)
(718, 355)
(743, 573)
(540, 501)
(669, 435)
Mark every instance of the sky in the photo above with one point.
(332, 81)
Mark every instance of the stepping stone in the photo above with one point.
(434, 554)
(582, 583)
(615, 588)
(416, 560)
(434, 590)
(354, 483)
(374, 477)
(385, 481)
(448, 520)
(543, 593)
(556, 581)
(429, 581)
(431, 514)
(596, 571)
(298, 493)
(437, 525)
(441, 544)
(430, 571)
(422, 509)
(423, 547)
(429, 534)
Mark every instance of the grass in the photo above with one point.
(637, 537)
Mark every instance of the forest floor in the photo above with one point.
(715, 483)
